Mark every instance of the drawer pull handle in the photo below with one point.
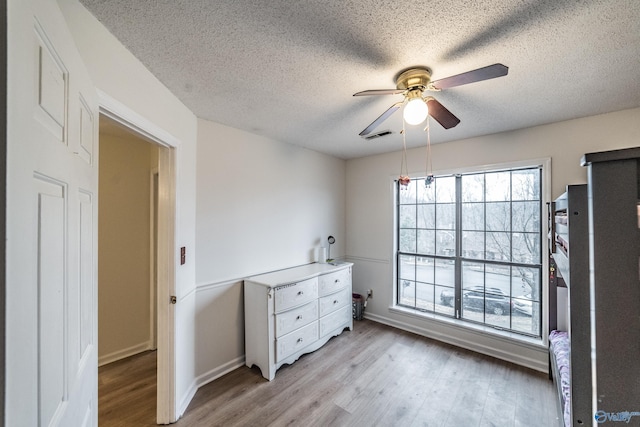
(337, 281)
(300, 292)
(335, 301)
(299, 340)
(299, 317)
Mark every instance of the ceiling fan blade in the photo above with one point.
(379, 92)
(441, 114)
(485, 73)
(381, 119)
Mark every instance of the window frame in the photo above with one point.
(544, 166)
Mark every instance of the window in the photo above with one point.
(469, 247)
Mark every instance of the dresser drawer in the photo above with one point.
(335, 301)
(330, 283)
(296, 294)
(296, 340)
(296, 318)
(334, 320)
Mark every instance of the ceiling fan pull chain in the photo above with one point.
(404, 179)
(429, 166)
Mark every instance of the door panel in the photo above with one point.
(86, 297)
(86, 139)
(51, 375)
(52, 89)
(51, 291)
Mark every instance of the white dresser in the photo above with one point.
(295, 311)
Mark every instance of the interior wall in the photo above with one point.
(370, 204)
(118, 74)
(262, 206)
(124, 253)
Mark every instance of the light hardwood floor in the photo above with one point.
(373, 376)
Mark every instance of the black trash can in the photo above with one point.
(358, 306)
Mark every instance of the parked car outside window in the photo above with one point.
(478, 298)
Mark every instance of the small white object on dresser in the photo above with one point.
(294, 311)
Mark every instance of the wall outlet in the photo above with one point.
(369, 293)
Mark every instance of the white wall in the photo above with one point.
(262, 206)
(370, 212)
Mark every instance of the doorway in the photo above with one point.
(127, 260)
(126, 241)
(161, 204)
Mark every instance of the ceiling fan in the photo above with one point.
(413, 82)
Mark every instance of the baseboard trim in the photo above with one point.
(540, 365)
(206, 378)
(216, 373)
(124, 353)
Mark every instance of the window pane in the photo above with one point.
(526, 184)
(445, 216)
(498, 247)
(407, 293)
(473, 216)
(498, 279)
(473, 244)
(498, 296)
(407, 267)
(426, 194)
(526, 316)
(445, 272)
(526, 216)
(473, 304)
(526, 281)
(424, 269)
(498, 186)
(472, 275)
(408, 216)
(526, 248)
(445, 243)
(427, 216)
(473, 188)
(424, 296)
(526, 305)
(498, 216)
(426, 242)
(497, 311)
(446, 189)
(444, 300)
(407, 195)
(407, 240)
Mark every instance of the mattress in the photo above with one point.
(561, 353)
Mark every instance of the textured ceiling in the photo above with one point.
(288, 69)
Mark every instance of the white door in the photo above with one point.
(51, 357)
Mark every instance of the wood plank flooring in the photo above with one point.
(127, 392)
(373, 376)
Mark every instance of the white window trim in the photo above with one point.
(545, 193)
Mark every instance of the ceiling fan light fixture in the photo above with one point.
(416, 111)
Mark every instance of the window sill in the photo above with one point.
(531, 342)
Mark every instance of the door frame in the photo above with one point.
(153, 258)
(3, 202)
(167, 147)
